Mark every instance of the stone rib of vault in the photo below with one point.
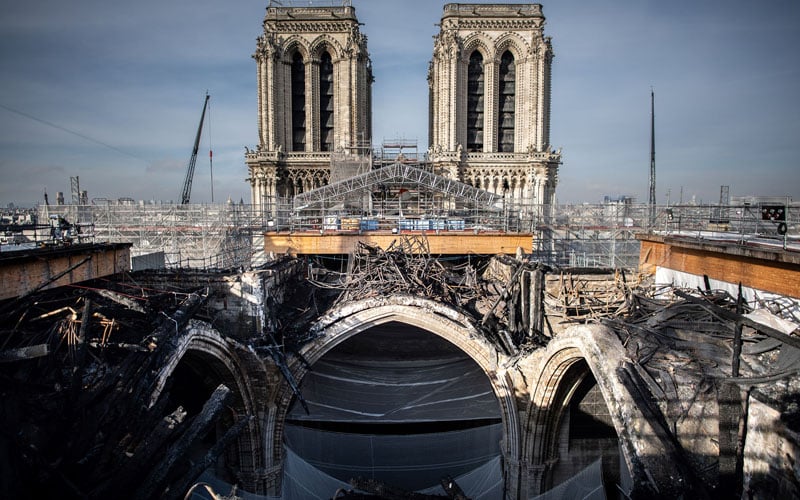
(398, 172)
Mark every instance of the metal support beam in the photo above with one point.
(394, 173)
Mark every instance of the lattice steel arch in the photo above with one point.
(399, 172)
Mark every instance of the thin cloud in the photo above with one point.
(132, 76)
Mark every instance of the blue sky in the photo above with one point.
(112, 92)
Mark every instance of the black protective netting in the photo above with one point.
(410, 462)
(585, 485)
(397, 391)
(399, 405)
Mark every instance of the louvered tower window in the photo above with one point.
(507, 92)
(475, 106)
(326, 102)
(298, 103)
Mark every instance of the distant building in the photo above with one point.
(619, 200)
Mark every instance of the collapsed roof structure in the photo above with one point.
(184, 376)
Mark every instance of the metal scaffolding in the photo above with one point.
(599, 235)
(593, 236)
(193, 235)
(397, 173)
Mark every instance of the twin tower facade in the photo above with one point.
(489, 103)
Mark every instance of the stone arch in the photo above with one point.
(295, 44)
(201, 338)
(480, 42)
(350, 319)
(567, 360)
(553, 390)
(513, 43)
(201, 344)
(324, 43)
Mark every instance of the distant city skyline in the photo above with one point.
(113, 93)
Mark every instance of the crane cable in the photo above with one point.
(210, 153)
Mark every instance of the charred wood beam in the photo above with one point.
(633, 383)
(23, 353)
(537, 302)
(139, 458)
(118, 422)
(115, 384)
(80, 355)
(505, 341)
(737, 337)
(173, 324)
(177, 489)
(729, 398)
(740, 443)
(119, 345)
(156, 480)
(505, 293)
(121, 300)
(279, 358)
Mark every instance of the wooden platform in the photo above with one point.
(445, 243)
(770, 269)
(41, 268)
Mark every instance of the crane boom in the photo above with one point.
(187, 182)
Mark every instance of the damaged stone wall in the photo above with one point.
(771, 468)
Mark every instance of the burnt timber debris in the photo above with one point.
(78, 368)
(87, 412)
(496, 289)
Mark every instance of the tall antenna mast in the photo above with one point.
(652, 201)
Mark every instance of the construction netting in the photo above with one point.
(409, 462)
(399, 406)
(303, 481)
(402, 418)
(585, 485)
(396, 391)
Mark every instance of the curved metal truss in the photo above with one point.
(398, 172)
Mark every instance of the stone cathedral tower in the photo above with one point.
(314, 98)
(490, 101)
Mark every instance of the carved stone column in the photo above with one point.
(491, 73)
